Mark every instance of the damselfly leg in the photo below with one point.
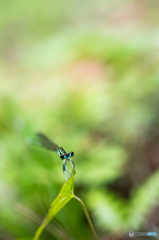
(65, 169)
(72, 163)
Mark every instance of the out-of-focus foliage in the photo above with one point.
(86, 74)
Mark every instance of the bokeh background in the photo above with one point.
(85, 73)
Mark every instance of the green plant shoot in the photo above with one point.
(65, 195)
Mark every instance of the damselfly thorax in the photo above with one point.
(63, 154)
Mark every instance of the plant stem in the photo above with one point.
(87, 216)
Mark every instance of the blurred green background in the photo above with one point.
(85, 73)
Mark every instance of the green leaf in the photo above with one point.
(65, 195)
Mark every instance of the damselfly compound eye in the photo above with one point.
(72, 154)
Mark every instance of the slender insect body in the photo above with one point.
(63, 155)
(48, 144)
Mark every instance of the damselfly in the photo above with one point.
(45, 142)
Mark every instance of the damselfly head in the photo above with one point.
(72, 154)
